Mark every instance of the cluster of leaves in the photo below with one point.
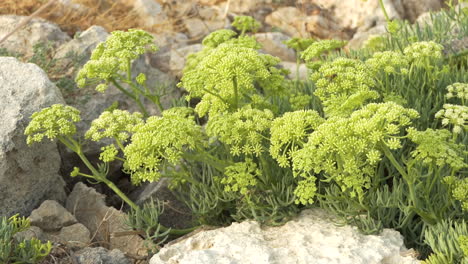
(371, 150)
(14, 248)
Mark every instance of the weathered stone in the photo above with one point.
(34, 32)
(310, 238)
(173, 61)
(360, 38)
(100, 255)
(273, 44)
(245, 6)
(150, 12)
(414, 8)
(296, 23)
(105, 223)
(74, 236)
(28, 174)
(31, 232)
(292, 67)
(51, 216)
(176, 213)
(354, 13)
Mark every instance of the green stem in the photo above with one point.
(382, 6)
(236, 96)
(134, 97)
(119, 193)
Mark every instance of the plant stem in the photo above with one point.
(134, 97)
(236, 96)
(384, 11)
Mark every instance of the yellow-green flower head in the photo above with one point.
(218, 37)
(227, 75)
(348, 150)
(114, 55)
(289, 133)
(455, 115)
(108, 153)
(375, 43)
(241, 176)
(320, 47)
(343, 85)
(180, 111)
(244, 131)
(419, 51)
(299, 44)
(457, 90)
(160, 139)
(305, 191)
(300, 101)
(52, 122)
(436, 147)
(388, 62)
(117, 124)
(246, 23)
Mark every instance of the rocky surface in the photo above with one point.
(28, 174)
(273, 44)
(100, 255)
(311, 238)
(105, 223)
(36, 31)
(51, 216)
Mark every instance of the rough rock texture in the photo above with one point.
(36, 31)
(414, 8)
(292, 67)
(51, 216)
(100, 255)
(176, 213)
(149, 12)
(357, 13)
(273, 44)
(311, 238)
(74, 236)
(245, 6)
(173, 61)
(103, 222)
(360, 38)
(28, 174)
(296, 23)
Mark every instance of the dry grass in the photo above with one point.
(110, 14)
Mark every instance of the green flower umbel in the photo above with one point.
(52, 122)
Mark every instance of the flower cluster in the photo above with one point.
(246, 23)
(456, 115)
(299, 101)
(299, 44)
(118, 124)
(420, 51)
(458, 90)
(108, 153)
(289, 133)
(435, 147)
(343, 85)
(458, 189)
(159, 139)
(225, 77)
(463, 242)
(240, 176)
(389, 62)
(218, 37)
(318, 48)
(114, 55)
(347, 149)
(52, 122)
(244, 131)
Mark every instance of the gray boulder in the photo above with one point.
(35, 31)
(100, 255)
(51, 216)
(273, 44)
(28, 174)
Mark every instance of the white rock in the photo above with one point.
(273, 44)
(28, 174)
(150, 12)
(311, 238)
(35, 31)
(292, 67)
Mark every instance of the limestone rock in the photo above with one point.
(74, 236)
(100, 255)
(310, 238)
(272, 43)
(292, 67)
(354, 13)
(360, 38)
(28, 174)
(173, 61)
(150, 12)
(102, 221)
(414, 8)
(246, 6)
(35, 31)
(51, 216)
(296, 23)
